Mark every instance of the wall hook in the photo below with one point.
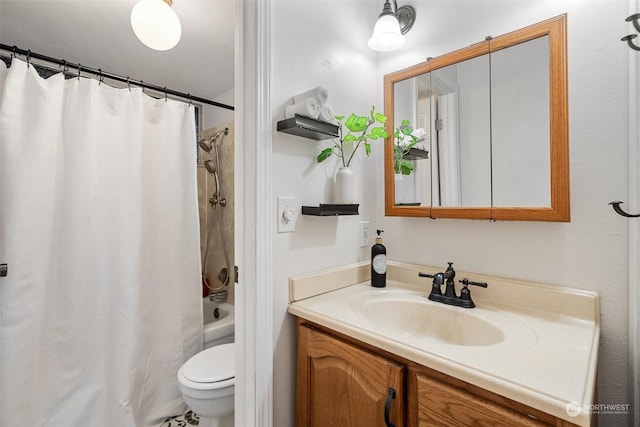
(635, 20)
(631, 44)
(618, 209)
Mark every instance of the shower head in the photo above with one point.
(210, 166)
(205, 145)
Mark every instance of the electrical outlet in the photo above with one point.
(364, 234)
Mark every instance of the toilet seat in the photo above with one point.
(211, 368)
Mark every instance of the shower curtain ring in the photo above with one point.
(13, 51)
(165, 94)
(28, 58)
(100, 78)
(128, 84)
(189, 96)
(142, 85)
(79, 71)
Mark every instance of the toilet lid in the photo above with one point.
(211, 365)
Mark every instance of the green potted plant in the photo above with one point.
(401, 148)
(356, 132)
(353, 133)
(403, 141)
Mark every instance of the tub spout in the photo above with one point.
(219, 296)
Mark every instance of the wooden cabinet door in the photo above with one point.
(432, 403)
(342, 385)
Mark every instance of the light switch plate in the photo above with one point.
(287, 214)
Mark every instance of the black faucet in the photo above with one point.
(449, 297)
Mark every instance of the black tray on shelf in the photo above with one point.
(307, 127)
(326, 209)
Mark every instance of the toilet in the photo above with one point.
(207, 379)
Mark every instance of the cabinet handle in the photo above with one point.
(387, 406)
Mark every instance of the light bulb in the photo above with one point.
(386, 34)
(155, 24)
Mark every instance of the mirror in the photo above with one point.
(490, 137)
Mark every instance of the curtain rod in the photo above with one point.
(103, 74)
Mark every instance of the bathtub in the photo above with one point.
(219, 322)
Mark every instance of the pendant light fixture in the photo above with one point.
(392, 25)
(155, 24)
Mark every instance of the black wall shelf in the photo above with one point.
(307, 127)
(416, 154)
(326, 209)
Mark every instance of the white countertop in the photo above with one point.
(547, 359)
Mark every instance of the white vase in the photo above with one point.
(344, 186)
(399, 188)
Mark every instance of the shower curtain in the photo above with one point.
(99, 227)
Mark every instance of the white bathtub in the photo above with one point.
(219, 322)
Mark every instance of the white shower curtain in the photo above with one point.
(99, 227)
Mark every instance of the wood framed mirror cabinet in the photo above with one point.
(491, 124)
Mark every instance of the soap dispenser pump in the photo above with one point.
(378, 263)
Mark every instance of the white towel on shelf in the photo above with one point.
(319, 93)
(327, 114)
(308, 107)
(419, 133)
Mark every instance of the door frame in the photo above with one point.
(253, 232)
(634, 229)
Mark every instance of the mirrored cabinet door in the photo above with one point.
(460, 146)
(520, 124)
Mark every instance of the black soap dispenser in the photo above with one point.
(378, 263)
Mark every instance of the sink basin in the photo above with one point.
(413, 315)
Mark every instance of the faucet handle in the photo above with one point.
(465, 293)
(438, 280)
(466, 282)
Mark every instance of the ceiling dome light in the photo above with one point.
(155, 24)
(388, 33)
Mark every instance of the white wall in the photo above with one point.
(316, 43)
(590, 252)
(213, 117)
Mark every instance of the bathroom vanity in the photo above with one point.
(525, 356)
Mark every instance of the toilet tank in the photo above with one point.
(219, 323)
